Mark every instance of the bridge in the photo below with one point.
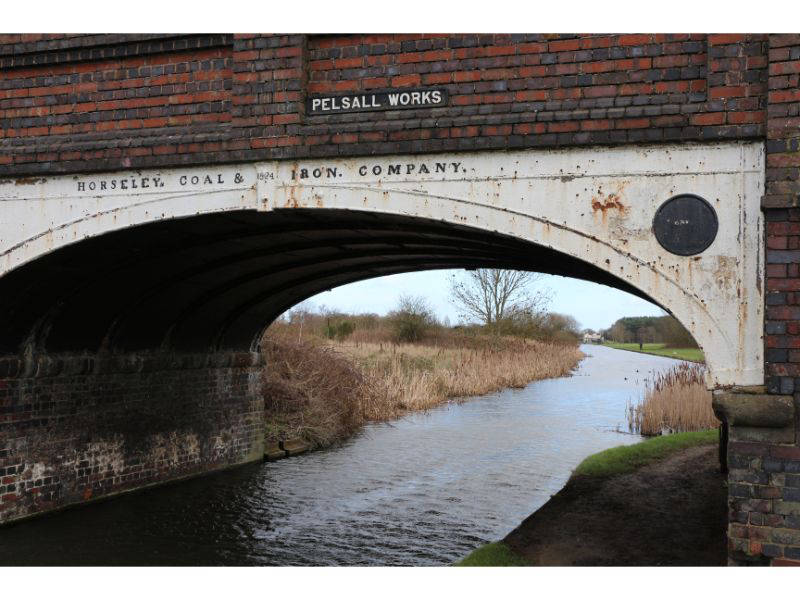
(165, 197)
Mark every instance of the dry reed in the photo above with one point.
(324, 391)
(418, 377)
(675, 400)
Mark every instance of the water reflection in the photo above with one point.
(424, 490)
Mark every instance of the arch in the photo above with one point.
(88, 265)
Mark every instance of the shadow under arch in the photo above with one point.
(215, 281)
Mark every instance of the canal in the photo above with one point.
(423, 490)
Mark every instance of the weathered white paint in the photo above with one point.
(596, 204)
(39, 215)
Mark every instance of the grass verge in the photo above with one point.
(608, 463)
(624, 459)
(496, 554)
(690, 354)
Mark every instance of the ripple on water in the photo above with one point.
(424, 490)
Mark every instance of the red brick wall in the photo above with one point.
(782, 210)
(764, 479)
(240, 97)
(120, 103)
(597, 83)
(783, 122)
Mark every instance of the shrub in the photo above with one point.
(311, 391)
(339, 331)
(412, 319)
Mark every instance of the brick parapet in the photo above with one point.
(764, 503)
(507, 91)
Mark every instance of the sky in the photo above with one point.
(595, 306)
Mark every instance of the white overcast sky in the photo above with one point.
(593, 305)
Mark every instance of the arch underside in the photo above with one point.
(213, 282)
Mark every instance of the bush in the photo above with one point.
(551, 327)
(665, 329)
(339, 331)
(412, 320)
(311, 391)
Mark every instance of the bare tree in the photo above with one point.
(300, 314)
(492, 296)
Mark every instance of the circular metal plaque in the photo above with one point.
(685, 225)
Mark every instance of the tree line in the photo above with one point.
(665, 329)
(489, 301)
(497, 302)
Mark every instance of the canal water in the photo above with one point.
(423, 490)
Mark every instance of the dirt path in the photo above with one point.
(672, 512)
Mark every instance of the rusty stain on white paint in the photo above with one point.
(596, 204)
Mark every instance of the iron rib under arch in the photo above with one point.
(214, 282)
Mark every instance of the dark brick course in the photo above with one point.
(119, 102)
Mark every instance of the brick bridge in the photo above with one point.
(164, 197)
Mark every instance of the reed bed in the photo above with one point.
(324, 391)
(674, 401)
(418, 377)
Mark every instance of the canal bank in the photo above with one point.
(688, 354)
(662, 502)
(425, 489)
(319, 392)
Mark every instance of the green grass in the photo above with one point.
(690, 354)
(496, 554)
(624, 459)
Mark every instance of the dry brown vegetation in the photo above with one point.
(324, 390)
(311, 391)
(675, 400)
(418, 377)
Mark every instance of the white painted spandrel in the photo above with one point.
(596, 204)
